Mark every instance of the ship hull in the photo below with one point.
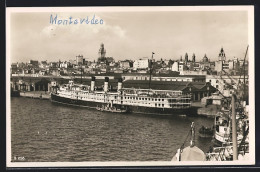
(130, 108)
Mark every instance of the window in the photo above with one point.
(210, 80)
(216, 81)
(217, 86)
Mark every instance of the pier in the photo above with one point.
(36, 95)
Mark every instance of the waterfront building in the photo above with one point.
(198, 90)
(163, 77)
(193, 72)
(223, 82)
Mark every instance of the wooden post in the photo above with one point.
(234, 129)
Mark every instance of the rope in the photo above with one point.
(181, 147)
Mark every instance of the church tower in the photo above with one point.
(222, 55)
(102, 51)
(186, 57)
(193, 58)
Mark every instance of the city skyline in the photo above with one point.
(129, 35)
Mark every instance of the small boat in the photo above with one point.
(222, 129)
(205, 132)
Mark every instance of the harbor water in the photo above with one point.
(43, 131)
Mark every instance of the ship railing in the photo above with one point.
(159, 96)
(222, 154)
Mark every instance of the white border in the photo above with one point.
(249, 9)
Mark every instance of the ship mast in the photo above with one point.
(244, 67)
(151, 70)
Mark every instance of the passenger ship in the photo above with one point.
(148, 101)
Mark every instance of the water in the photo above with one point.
(42, 131)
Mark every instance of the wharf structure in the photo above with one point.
(196, 86)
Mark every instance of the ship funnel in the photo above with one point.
(119, 84)
(92, 85)
(106, 84)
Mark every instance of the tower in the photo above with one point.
(193, 58)
(102, 51)
(205, 58)
(79, 59)
(186, 57)
(222, 55)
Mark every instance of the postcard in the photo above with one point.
(130, 86)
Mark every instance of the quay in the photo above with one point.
(36, 95)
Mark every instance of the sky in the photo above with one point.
(129, 35)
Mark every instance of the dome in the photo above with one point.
(205, 58)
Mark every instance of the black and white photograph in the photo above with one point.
(130, 86)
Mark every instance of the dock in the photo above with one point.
(36, 95)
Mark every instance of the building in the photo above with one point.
(193, 72)
(221, 55)
(223, 82)
(102, 51)
(14, 68)
(181, 66)
(186, 57)
(141, 64)
(193, 58)
(124, 64)
(175, 66)
(79, 59)
(198, 90)
(34, 62)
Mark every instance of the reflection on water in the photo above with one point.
(47, 132)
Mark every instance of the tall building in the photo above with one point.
(205, 58)
(79, 59)
(193, 58)
(102, 51)
(181, 59)
(222, 55)
(186, 57)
